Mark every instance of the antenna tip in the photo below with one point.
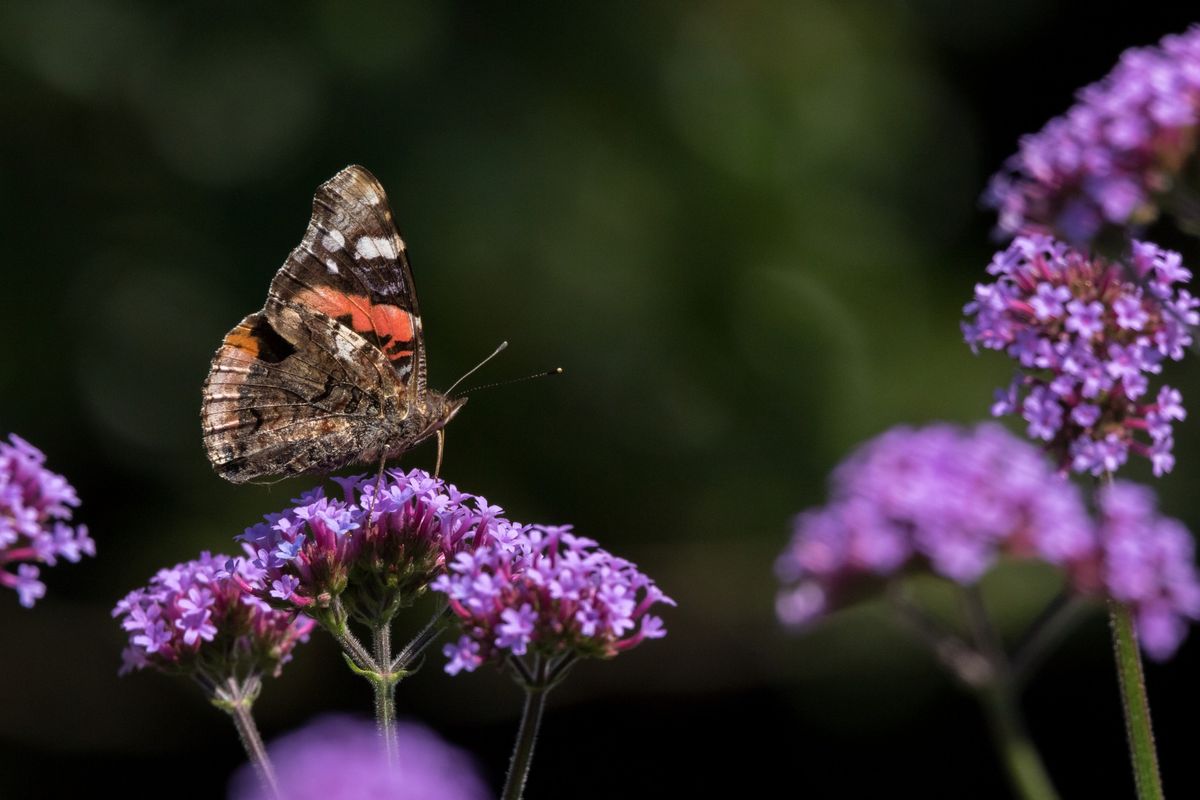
(556, 371)
(503, 345)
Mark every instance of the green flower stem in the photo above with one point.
(236, 699)
(531, 720)
(1136, 703)
(1134, 700)
(385, 688)
(1025, 768)
(998, 696)
(1060, 616)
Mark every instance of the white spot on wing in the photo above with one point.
(331, 266)
(345, 348)
(374, 247)
(333, 241)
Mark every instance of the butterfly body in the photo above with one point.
(332, 371)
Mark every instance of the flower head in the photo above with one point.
(196, 618)
(1114, 154)
(947, 498)
(1148, 563)
(1088, 336)
(953, 501)
(342, 758)
(35, 513)
(548, 592)
(373, 551)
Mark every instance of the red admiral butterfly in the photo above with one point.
(331, 371)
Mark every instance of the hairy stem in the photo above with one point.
(531, 720)
(1135, 702)
(385, 689)
(236, 699)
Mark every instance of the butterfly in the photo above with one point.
(332, 371)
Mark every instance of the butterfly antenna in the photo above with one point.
(471, 371)
(546, 374)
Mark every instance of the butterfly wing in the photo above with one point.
(294, 392)
(352, 267)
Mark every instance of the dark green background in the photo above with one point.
(745, 229)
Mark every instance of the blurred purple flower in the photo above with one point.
(1086, 363)
(323, 549)
(35, 509)
(954, 500)
(1148, 563)
(1113, 156)
(196, 619)
(548, 591)
(342, 758)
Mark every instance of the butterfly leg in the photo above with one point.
(441, 434)
(378, 485)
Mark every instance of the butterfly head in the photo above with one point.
(440, 409)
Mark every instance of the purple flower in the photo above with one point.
(1085, 377)
(197, 619)
(550, 592)
(341, 758)
(371, 552)
(954, 501)
(949, 498)
(35, 509)
(1148, 563)
(1115, 155)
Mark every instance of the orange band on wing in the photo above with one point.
(242, 339)
(390, 324)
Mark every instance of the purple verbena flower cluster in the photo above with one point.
(954, 501)
(948, 498)
(542, 590)
(1087, 335)
(1149, 564)
(35, 511)
(342, 758)
(197, 619)
(372, 552)
(1109, 159)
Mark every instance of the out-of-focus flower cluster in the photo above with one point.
(197, 619)
(1149, 564)
(543, 590)
(377, 552)
(342, 758)
(1114, 154)
(1087, 334)
(954, 501)
(35, 513)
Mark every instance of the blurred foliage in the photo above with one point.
(746, 230)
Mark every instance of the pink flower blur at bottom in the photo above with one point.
(341, 758)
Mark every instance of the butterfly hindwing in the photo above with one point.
(352, 266)
(291, 391)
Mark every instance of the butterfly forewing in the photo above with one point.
(352, 266)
